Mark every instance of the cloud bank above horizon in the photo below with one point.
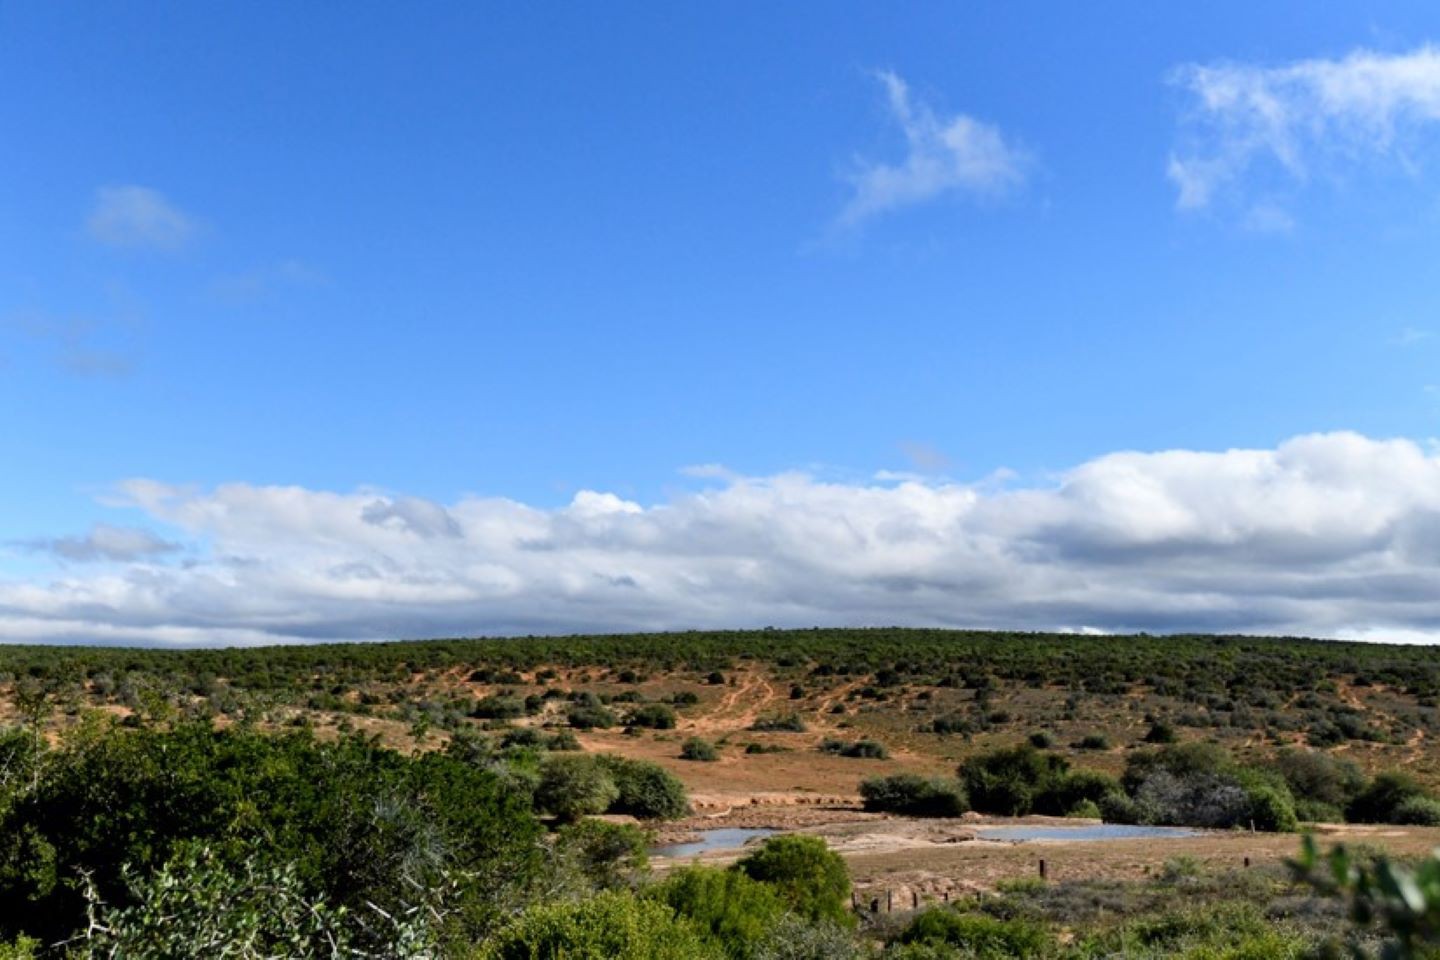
(1325, 535)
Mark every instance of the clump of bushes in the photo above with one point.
(866, 749)
(810, 878)
(914, 795)
(977, 935)
(613, 925)
(652, 716)
(645, 790)
(785, 723)
(697, 749)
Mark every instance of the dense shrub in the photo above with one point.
(652, 716)
(1319, 778)
(498, 707)
(573, 786)
(810, 877)
(737, 911)
(606, 856)
(586, 717)
(1200, 785)
(361, 824)
(785, 723)
(793, 938)
(864, 749)
(1381, 800)
(1064, 793)
(610, 926)
(646, 790)
(697, 749)
(980, 937)
(1093, 741)
(1161, 732)
(914, 795)
(1009, 781)
(1418, 811)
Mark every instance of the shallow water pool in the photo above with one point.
(1088, 831)
(725, 838)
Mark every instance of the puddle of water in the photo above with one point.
(729, 838)
(1089, 831)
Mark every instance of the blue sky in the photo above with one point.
(553, 254)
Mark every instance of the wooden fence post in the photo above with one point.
(1042, 869)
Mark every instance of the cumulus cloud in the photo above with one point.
(954, 154)
(1332, 535)
(104, 542)
(1294, 118)
(135, 217)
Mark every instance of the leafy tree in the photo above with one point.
(1009, 781)
(573, 786)
(737, 912)
(1381, 800)
(609, 856)
(361, 824)
(654, 716)
(646, 790)
(914, 796)
(809, 876)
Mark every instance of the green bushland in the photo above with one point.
(914, 795)
(358, 824)
(810, 877)
(608, 926)
(736, 911)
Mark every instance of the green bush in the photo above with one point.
(1093, 741)
(1418, 811)
(1318, 811)
(584, 717)
(646, 790)
(1073, 788)
(21, 948)
(1009, 781)
(914, 795)
(795, 939)
(810, 877)
(573, 786)
(1161, 732)
(737, 912)
(981, 937)
(1317, 777)
(652, 716)
(698, 749)
(609, 926)
(1382, 798)
(786, 723)
(861, 749)
(362, 824)
(1085, 810)
(608, 856)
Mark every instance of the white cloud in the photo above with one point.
(1332, 534)
(1290, 120)
(954, 154)
(136, 217)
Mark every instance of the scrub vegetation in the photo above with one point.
(496, 799)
